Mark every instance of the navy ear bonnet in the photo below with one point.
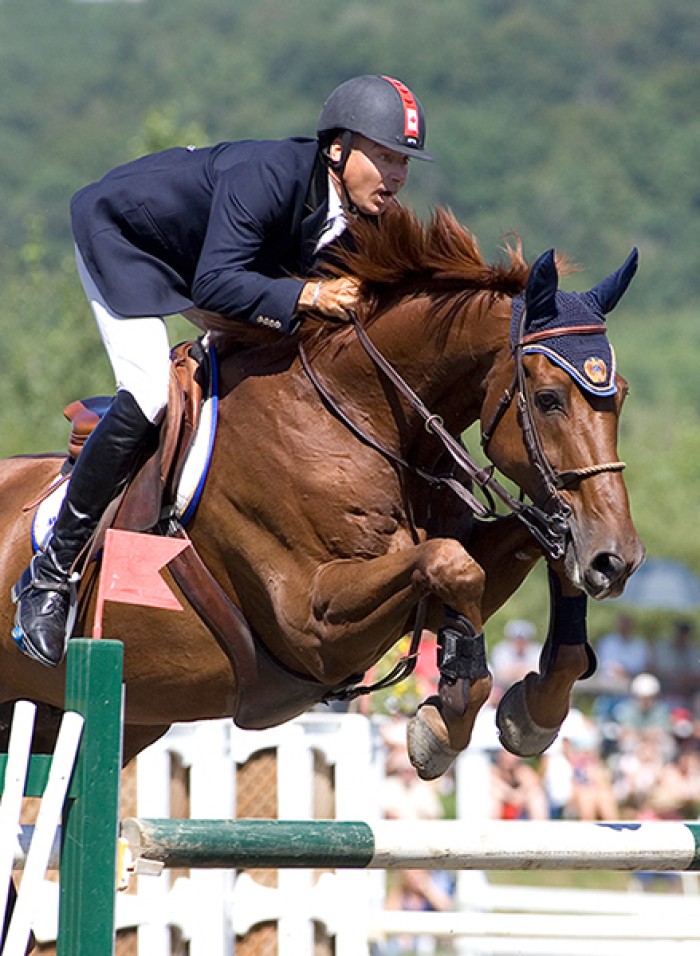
(577, 339)
(588, 358)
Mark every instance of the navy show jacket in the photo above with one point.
(230, 228)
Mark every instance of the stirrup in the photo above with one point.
(29, 579)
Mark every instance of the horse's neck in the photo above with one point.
(444, 361)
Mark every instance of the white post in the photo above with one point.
(153, 800)
(208, 756)
(44, 833)
(18, 753)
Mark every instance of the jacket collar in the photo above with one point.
(314, 213)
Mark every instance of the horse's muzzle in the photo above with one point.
(607, 573)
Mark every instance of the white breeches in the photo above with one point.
(138, 349)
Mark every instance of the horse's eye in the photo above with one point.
(547, 400)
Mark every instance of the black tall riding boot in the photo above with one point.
(46, 592)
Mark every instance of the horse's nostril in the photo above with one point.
(611, 565)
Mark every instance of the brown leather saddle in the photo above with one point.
(153, 487)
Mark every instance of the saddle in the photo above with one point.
(152, 490)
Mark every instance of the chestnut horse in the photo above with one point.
(340, 508)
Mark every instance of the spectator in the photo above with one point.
(413, 890)
(643, 710)
(639, 771)
(516, 655)
(592, 793)
(622, 654)
(577, 780)
(645, 745)
(676, 662)
(517, 791)
(677, 796)
(557, 777)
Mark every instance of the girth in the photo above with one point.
(267, 692)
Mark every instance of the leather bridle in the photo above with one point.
(552, 481)
(548, 522)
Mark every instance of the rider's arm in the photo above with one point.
(248, 236)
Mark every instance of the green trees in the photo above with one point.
(574, 124)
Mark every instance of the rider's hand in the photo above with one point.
(332, 298)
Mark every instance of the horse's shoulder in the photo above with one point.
(31, 467)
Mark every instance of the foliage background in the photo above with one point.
(574, 124)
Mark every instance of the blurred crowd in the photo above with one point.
(629, 749)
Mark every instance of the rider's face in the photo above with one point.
(373, 174)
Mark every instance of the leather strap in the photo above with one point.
(267, 692)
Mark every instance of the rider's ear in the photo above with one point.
(335, 150)
(541, 288)
(609, 292)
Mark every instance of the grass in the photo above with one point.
(568, 879)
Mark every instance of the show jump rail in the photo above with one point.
(444, 845)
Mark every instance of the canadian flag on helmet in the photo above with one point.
(411, 120)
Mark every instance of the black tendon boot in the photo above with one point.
(46, 592)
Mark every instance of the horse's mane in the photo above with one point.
(399, 250)
(399, 255)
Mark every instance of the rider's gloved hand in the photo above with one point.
(332, 298)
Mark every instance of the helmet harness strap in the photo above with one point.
(337, 166)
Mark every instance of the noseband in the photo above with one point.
(548, 523)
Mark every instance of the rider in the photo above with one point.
(223, 229)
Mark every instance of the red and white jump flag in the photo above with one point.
(131, 566)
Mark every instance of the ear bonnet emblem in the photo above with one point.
(596, 370)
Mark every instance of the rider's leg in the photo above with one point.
(139, 352)
(45, 593)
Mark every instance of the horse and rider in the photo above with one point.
(237, 229)
(340, 507)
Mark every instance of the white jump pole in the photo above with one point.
(397, 844)
(18, 753)
(47, 823)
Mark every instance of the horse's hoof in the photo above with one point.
(430, 757)
(518, 732)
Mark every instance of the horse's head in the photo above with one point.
(550, 422)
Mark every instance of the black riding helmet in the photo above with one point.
(378, 107)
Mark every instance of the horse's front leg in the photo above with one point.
(531, 712)
(386, 589)
(506, 553)
(443, 725)
(359, 608)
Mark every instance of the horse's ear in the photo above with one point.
(541, 288)
(609, 292)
